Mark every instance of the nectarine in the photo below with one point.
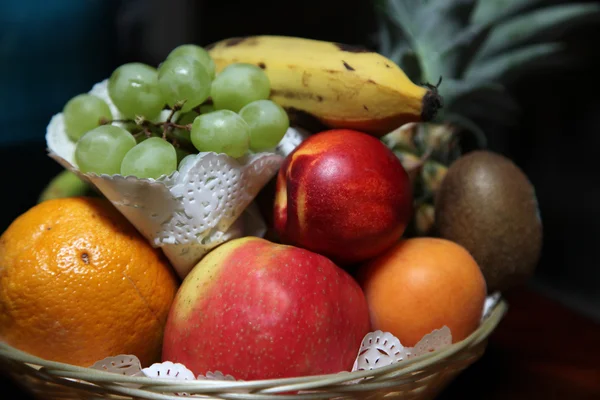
(342, 194)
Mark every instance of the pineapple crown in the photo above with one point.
(477, 46)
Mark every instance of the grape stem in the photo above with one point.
(176, 107)
(147, 126)
(166, 124)
(187, 127)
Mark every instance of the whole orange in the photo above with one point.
(78, 283)
(422, 284)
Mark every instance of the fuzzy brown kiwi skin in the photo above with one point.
(487, 204)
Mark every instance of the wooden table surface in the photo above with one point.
(540, 350)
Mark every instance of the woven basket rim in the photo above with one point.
(440, 358)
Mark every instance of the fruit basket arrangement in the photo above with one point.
(256, 230)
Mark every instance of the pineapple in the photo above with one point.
(469, 50)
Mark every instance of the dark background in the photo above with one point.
(53, 50)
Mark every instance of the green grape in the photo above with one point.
(152, 158)
(206, 108)
(134, 89)
(268, 123)
(197, 53)
(83, 113)
(102, 149)
(186, 163)
(238, 85)
(183, 79)
(221, 131)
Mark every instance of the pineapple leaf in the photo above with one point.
(499, 66)
(528, 26)
(439, 22)
(429, 27)
(463, 48)
(487, 11)
(397, 49)
(402, 12)
(384, 35)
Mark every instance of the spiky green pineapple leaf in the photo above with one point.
(433, 38)
(426, 29)
(496, 68)
(403, 13)
(526, 27)
(439, 23)
(384, 35)
(487, 11)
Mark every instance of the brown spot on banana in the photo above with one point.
(348, 66)
(247, 40)
(293, 95)
(352, 49)
(305, 78)
(262, 65)
(365, 107)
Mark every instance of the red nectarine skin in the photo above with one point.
(259, 310)
(342, 194)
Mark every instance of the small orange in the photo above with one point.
(78, 283)
(422, 284)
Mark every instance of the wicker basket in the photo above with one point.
(417, 378)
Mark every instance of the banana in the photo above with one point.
(339, 85)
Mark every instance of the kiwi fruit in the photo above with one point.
(487, 204)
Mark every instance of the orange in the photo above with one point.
(78, 283)
(422, 284)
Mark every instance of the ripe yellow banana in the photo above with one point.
(341, 86)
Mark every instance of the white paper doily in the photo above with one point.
(124, 364)
(186, 214)
(169, 370)
(379, 349)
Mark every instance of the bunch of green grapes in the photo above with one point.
(228, 113)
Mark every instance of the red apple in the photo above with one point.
(258, 310)
(342, 194)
